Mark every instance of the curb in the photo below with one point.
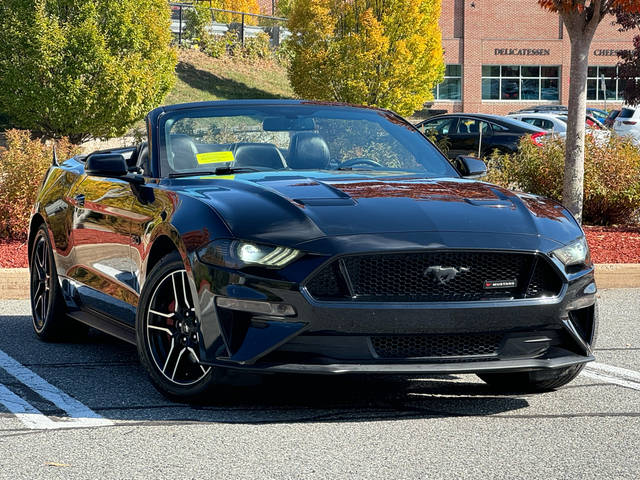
(14, 282)
(618, 275)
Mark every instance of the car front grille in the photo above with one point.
(421, 346)
(435, 277)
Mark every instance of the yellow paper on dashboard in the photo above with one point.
(214, 157)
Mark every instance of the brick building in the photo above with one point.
(267, 7)
(503, 55)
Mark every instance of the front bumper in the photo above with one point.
(504, 365)
(337, 337)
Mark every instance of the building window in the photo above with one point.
(520, 82)
(451, 87)
(614, 86)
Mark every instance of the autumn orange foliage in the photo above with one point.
(606, 6)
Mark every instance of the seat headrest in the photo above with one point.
(258, 155)
(184, 152)
(308, 151)
(143, 159)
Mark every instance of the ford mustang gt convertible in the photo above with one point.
(309, 237)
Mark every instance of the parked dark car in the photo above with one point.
(308, 237)
(598, 114)
(478, 134)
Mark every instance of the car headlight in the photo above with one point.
(237, 254)
(576, 253)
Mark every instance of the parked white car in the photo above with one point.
(549, 122)
(627, 123)
(556, 124)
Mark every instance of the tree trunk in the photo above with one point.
(572, 192)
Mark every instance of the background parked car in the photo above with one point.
(478, 134)
(545, 121)
(598, 114)
(610, 120)
(544, 109)
(628, 123)
(557, 124)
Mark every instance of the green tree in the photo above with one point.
(371, 52)
(581, 19)
(83, 69)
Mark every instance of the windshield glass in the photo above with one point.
(294, 137)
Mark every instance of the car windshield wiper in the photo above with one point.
(217, 171)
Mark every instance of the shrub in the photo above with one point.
(196, 20)
(23, 165)
(612, 176)
(258, 46)
(83, 69)
(216, 46)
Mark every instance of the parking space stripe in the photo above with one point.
(79, 414)
(30, 416)
(611, 379)
(615, 371)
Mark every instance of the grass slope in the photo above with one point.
(202, 78)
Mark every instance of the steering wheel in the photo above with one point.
(359, 161)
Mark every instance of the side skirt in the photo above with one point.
(105, 324)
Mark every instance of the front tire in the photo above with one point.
(168, 334)
(533, 382)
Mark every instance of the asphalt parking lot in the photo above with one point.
(87, 411)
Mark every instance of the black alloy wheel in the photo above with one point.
(168, 333)
(49, 312)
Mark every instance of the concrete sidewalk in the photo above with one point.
(14, 282)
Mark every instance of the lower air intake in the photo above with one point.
(418, 346)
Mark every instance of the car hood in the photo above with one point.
(289, 208)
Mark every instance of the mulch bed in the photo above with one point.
(608, 245)
(13, 254)
(614, 244)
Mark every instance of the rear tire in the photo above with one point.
(533, 382)
(168, 334)
(48, 310)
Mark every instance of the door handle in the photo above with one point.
(79, 200)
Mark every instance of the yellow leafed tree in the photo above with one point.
(246, 6)
(385, 53)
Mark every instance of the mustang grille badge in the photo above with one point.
(444, 275)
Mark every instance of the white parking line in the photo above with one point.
(616, 371)
(79, 414)
(24, 411)
(615, 375)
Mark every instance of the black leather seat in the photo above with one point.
(308, 151)
(184, 153)
(139, 160)
(143, 160)
(264, 155)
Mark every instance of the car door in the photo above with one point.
(439, 128)
(542, 123)
(472, 137)
(100, 236)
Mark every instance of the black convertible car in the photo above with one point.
(297, 236)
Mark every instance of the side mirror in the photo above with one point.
(106, 165)
(470, 167)
(112, 165)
